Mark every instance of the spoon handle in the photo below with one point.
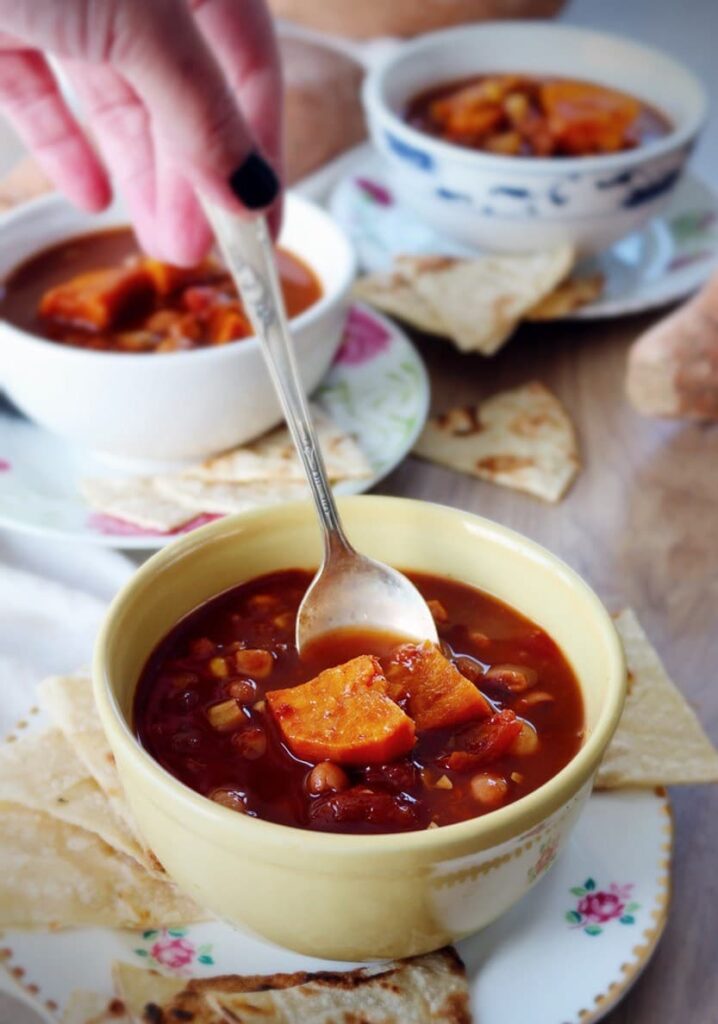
(246, 246)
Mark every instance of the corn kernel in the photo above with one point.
(444, 783)
(219, 668)
(226, 716)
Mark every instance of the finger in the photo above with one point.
(121, 125)
(183, 234)
(242, 39)
(170, 66)
(32, 102)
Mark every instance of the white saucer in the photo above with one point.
(664, 262)
(571, 949)
(377, 389)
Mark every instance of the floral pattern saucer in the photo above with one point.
(377, 389)
(576, 942)
(664, 262)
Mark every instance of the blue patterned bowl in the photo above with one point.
(525, 203)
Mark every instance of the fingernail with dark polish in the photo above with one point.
(254, 182)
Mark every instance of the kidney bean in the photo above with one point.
(402, 775)
(327, 777)
(363, 806)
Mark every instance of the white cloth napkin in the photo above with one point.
(53, 597)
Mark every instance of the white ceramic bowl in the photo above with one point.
(167, 407)
(525, 203)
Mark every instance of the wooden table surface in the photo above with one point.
(641, 525)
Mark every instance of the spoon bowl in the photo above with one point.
(351, 591)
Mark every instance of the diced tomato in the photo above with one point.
(343, 715)
(435, 692)
(485, 742)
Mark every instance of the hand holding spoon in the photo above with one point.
(350, 590)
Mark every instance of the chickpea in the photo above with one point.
(251, 742)
(284, 621)
(516, 678)
(527, 741)
(327, 777)
(230, 798)
(438, 611)
(490, 790)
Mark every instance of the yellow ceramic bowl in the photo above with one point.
(343, 896)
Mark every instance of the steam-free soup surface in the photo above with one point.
(97, 291)
(397, 738)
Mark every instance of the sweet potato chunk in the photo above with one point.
(435, 692)
(343, 715)
(98, 298)
(167, 278)
(585, 118)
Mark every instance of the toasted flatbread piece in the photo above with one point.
(429, 988)
(568, 297)
(273, 457)
(54, 875)
(42, 772)
(226, 498)
(84, 1007)
(425, 990)
(659, 740)
(482, 301)
(137, 501)
(392, 293)
(70, 703)
(521, 438)
(138, 988)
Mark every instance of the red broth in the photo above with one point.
(97, 291)
(208, 722)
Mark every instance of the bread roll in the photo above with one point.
(366, 19)
(673, 367)
(323, 113)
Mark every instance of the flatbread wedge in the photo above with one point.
(85, 1007)
(424, 990)
(273, 457)
(567, 298)
(54, 875)
(136, 500)
(521, 438)
(137, 988)
(481, 302)
(392, 293)
(220, 498)
(69, 702)
(659, 740)
(42, 772)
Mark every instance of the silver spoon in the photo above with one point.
(350, 590)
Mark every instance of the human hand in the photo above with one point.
(179, 95)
